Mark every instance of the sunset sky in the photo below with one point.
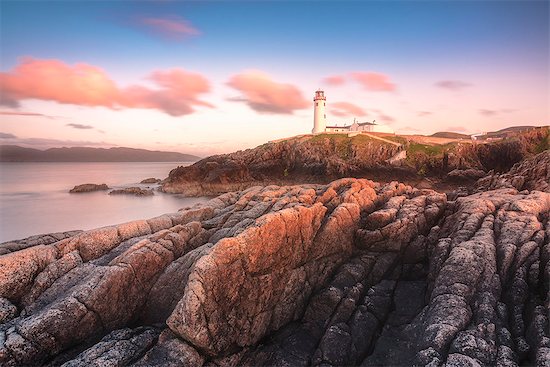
(207, 77)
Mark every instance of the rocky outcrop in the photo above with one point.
(348, 273)
(530, 174)
(88, 188)
(304, 159)
(41, 239)
(465, 175)
(135, 191)
(325, 157)
(151, 180)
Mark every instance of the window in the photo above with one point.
(324, 104)
(316, 104)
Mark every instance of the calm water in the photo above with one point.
(35, 199)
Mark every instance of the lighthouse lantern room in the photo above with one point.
(319, 116)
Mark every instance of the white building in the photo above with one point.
(320, 120)
(368, 127)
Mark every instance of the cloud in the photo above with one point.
(264, 95)
(80, 126)
(174, 28)
(382, 116)
(409, 128)
(176, 93)
(452, 84)
(385, 118)
(375, 82)
(424, 113)
(489, 113)
(334, 80)
(456, 129)
(7, 136)
(345, 109)
(23, 113)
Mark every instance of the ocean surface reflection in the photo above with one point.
(35, 199)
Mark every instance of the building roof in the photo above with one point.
(337, 127)
(365, 123)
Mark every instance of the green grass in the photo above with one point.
(343, 144)
(430, 150)
(397, 139)
(336, 137)
(345, 139)
(544, 144)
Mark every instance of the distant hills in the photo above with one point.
(502, 133)
(15, 153)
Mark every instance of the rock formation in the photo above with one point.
(151, 180)
(322, 158)
(349, 273)
(41, 239)
(136, 191)
(88, 188)
(303, 159)
(530, 174)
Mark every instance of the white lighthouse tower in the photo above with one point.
(319, 116)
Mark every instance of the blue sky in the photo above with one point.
(498, 50)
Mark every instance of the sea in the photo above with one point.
(35, 198)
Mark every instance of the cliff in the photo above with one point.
(304, 159)
(348, 273)
(530, 174)
(325, 157)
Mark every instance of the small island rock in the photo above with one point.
(88, 188)
(151, 180)
(132, 191)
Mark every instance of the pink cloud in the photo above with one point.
(385, 118)
(409, 128)
(453, 84)
(489, 113)
(176, 94)
(372, 81)
(424, 113)
(175, 28)
(334, 80)
(346, 109)
(23, 113)
(264, 95)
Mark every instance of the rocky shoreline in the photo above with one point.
(352, 272)
(349, 273)
(323, 158)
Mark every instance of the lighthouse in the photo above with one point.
(319, 116)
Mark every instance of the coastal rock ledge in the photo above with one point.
(349, 273)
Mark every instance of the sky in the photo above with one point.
(208, 77)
